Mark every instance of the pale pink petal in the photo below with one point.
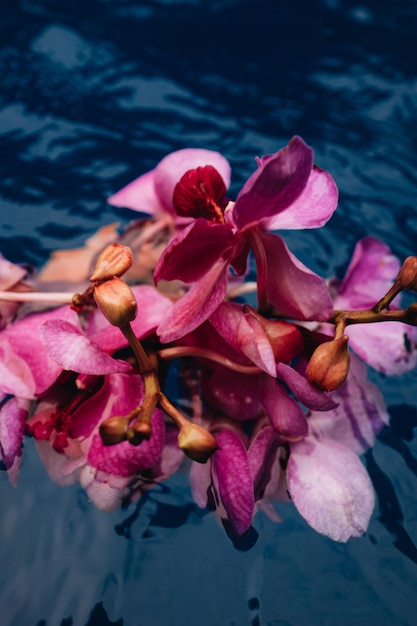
(360, 415)
(389, 347)
(313, 208)
(369, 276)
(73, 351)
(196, 305)
(102, 494)
(16, 376)
(330, 488)
(139, 195)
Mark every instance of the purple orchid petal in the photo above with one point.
(263, 462)
(360, 415)
(13, 416)
(330, 488)
(125, 460)
(152, 306)
(369, 276)
(245, 334)
(279, 181)
(193, 251)
(119, 395)
(73, 351)
(293, 289)
(306, 393)
(232, 477)
(24, 339)
(153, 192)
(313, 208)
(284, 413)
(196, 305)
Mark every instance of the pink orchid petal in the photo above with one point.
(73, 351)
(193, 251)
(369, 276)
(124, 459)
(196, 305)
(24, 338)
(313, 208)
(278, 182)
(293, 289)
(152, 306)
(330, 488)
(306, 393)
(360, 415)
(152, 192)
(244, 333)
(13, 416)
(231, 472)
(284, 413)
(255, 344)
(118, 395)
(139, 195)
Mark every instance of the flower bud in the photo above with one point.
(196, 442)
(113, 430)
(114, 260)
(116, 301)
(407, 277)
(329, 364)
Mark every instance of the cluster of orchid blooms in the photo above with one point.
(275, 402)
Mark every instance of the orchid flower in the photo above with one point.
(287, 191)
(110, 474)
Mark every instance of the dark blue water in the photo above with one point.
(95, 92)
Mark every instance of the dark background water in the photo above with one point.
(95, 92)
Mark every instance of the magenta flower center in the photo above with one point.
(201, 193)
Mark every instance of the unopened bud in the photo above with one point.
(114, 260)
(407, 277)
(329, 364)
(113, 430)
(196, 442)
(116, 301)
